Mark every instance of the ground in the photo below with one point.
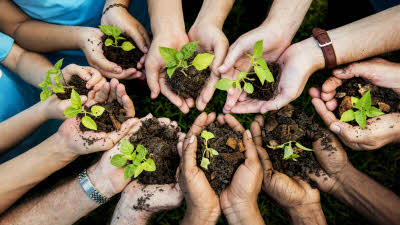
(382, 165)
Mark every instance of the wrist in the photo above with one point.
(310, 50)
(201, 216)
(101, 181)
(341, 179)
(62, 152)
(307, 214)
(242, 213)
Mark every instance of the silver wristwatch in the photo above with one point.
(89, 189)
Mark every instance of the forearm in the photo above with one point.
(64, 205)
(246, 215)
(214, 12)
(134, 217)
(308, 214)
(369, 198)
(166, 16)
(30, 168)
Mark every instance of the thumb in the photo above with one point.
(138, 38)
(189, 154)
(362, 69)
(234, 53)
(152, 75)
(348, 132)
(220, 52)
(96, 59)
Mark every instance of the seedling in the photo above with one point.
(178, 59)
(288, 150)
(364, 109)
(212, 152)
(76, 108)
(114, 32)
(137, 157)
(260, 69)
(47, 85)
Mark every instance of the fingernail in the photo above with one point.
(335, 129)
(191, 139)
(145, 48)
(340, 71)
(117, 70)
(248, 134)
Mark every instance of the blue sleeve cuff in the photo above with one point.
(6, 43)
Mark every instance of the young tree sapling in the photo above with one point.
(288, 150)
(210, 151)
(47, 85)
(115, 32)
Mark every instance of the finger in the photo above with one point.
(123, 75)
(322, 180)
(164, 121)
(327, 96)
(97, 59)
(275, 104)
(189, 102)
(327, 116)
(234, 53)
(231, 99)
(181, 139)
(314, 92)
(221, 119)
(132, 31)
(73, 69)
(248, 106)
(136, 75)
(350, 133)
(251, 152)
(128, 106)
(360, 69)
(99, 84)
(265, 162)
(95, 76)
(220, 51)
(331, 84)
(189, 154)
(174, 98)
(197, 128)
(210, 118)
(255, 129)
(100, 96)
(243, 96)
(152, 75)
(233, 123)
(126, 126)
(302, 183)
(206, 92)
(146, 37)
(260, 120)
(331, 105)
(113, 91)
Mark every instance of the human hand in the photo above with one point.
(94, 80)
(213, 41)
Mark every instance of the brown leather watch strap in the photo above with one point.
(325, 43)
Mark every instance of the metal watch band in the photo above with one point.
(325, 43)
(89, 189)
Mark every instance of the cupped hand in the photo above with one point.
(212, 40)
(94, 80)
(54, 108)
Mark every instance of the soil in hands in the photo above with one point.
(123, 58)
(292, 124)
(78, 84)
(266, 91)
(161, 143)
(190, 84)
(111, 119)
(222, 167)
(385, 99)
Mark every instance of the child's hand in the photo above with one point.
(53, 107)
(92, 77)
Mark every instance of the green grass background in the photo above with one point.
(382, 165)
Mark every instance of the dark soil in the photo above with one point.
(79, 85)
(383, 98)
(161, 143)
(223, 166)
(292, 124)
(190, 85)
(104, 122)
(124, 59)
(266, 91)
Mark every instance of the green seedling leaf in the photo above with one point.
(45, 94)
(224, 84)
(149, 165)
(115, 31)
(126, 147)
(170, 71)
(302, 147)
(294, 157)
(202, 61)
(108, 42)
(361, 118)
(52, 71)
(188, 49)
(142, 151)
(97, 110)
(58, 65)
(179, 56)
(261, 62)
(138, 171)
(58, 88)
(118, 160)
(241, 75)
(120, 38)
(137, 161)
(263, 74)
(127, 46)
(213, 151)
(172, 63)
(288, 151)
(248, 88)
(374, 112)
(258, 49)
(354, 100)
(106, 29)
(207, 135)
(71, 112)
(89, 123)
(76, 100)
(46, 82)
(276, 147)
(238, 85)
(347, 116)
(168, 54)
(204, 163)
(129, 170)
(365, 101)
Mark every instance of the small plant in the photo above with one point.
(260, 69)
(113, 31)
(76, 108)
(288, 150)
(364, 109)
(136, 156)
(178, 59)
(210, 151)
(47, 85)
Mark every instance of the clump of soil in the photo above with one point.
(266, 91)
(123, 58)
(79, 85)
(222, 167)
(385, 99)
(161, 143)
(292, 124)
(111, 119)
(188, 85)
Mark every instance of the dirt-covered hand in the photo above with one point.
(213, 41)
(94, 80)
(53, 107)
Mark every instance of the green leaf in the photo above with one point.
(142, 151)
(172, 63)
(188, 49)
(120, 38)
(238, 85)
(224, 84)
(204, 163)
(106, 29)
(118, 160)
(263, 74)
(202, 61)
(108, 42)
(45, 94)
(261, 62)
(275, 147)
(347, 116)
(288, 151)
(126, 147)
(248, 88)
(129, 170)
(302, 147)
(46, 82)
(52, 71)
(149, 165)
(89, 123)
(115, 31)
(168, 54)
(58, 88)
(97, 110)
(76, 100)
(354, 100)
(213, 151)
(365, 101)
(258, 49)
(170, 71)
(361, 118)
(294, 157)
(179, 56)
(127, 46)
(138, 171)
(71, 112)
(207, 135)
(374, 112)
(242, 75)
(58, 64)
(137, 161)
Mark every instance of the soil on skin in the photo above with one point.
(104, 121)
(161, 144)
(79, 85)
(124, 59)
(190, 85)
(383, 98)
(266, 91)
(292, 124)
(223, 166)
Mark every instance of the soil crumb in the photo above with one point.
(79, 85)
